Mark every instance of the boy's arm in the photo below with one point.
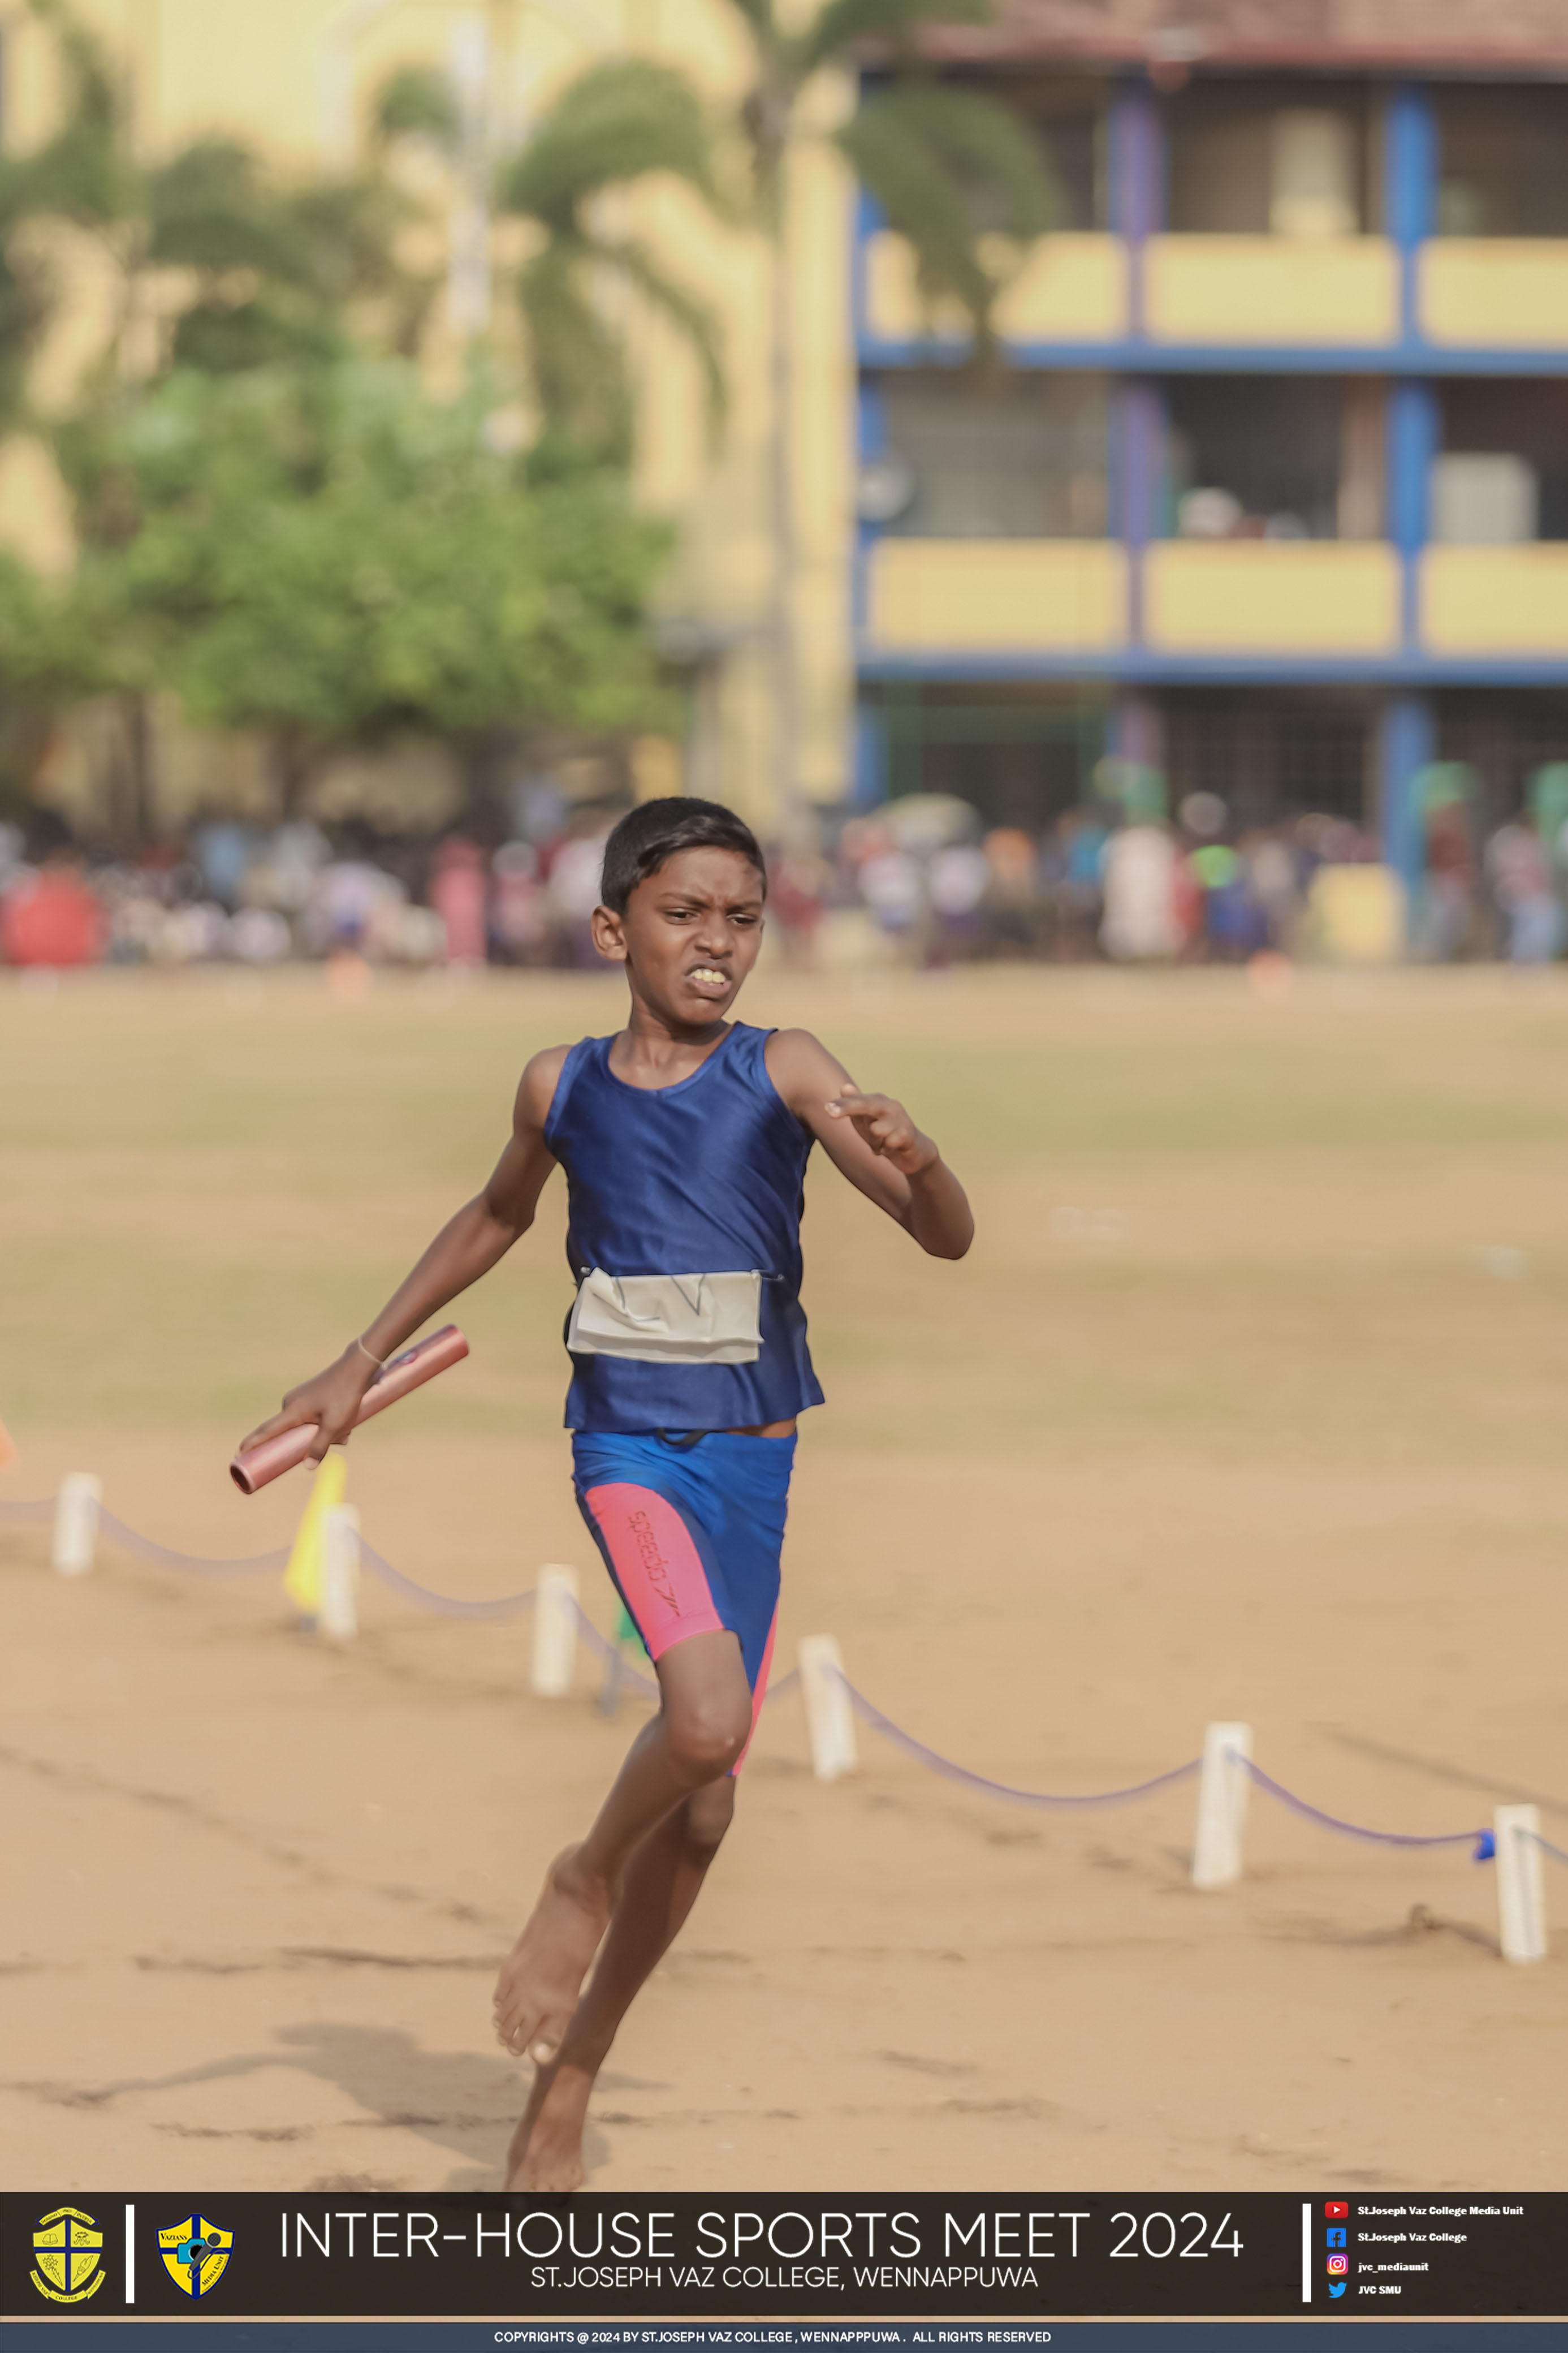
(873, 1141)
(467, 1246)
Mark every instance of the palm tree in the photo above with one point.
(622, 121)
(77, 176)
(217, 263)
(26, 308)
(954, 172)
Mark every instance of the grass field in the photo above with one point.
(1250, 1400)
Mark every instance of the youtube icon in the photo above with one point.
(1337, 2209)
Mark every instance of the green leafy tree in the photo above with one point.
(45, 661)
(332, 560)
(953, 171)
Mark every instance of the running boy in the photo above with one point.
(685, 1139)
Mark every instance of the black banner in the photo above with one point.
(689, 2258)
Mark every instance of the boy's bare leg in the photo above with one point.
(703, 1724)
(661, 1883)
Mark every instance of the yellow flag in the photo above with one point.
(302, 1579)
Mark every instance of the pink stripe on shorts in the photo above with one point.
(759, 1694)
(662, 1579)
(656, 1566)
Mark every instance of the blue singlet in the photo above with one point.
(701, 1178)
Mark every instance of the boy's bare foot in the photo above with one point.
(542, 1976)
(546, 2151)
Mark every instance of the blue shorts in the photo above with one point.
(691, 1530)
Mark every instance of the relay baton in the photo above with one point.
(270, 1460)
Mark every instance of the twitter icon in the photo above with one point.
(1337, 2287)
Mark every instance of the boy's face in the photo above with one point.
(690, 934)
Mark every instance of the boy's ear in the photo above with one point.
(610, 934)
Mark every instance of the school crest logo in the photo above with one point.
(194, 2254)
(69, 2246)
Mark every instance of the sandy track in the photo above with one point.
(257, 1888)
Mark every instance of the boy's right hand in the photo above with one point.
(332, 1398)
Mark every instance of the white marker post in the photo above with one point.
(555, 1662)
(1222, 1806)
(339, 1618)
(1520, 1883)
(829, 1718)
(75, 1524)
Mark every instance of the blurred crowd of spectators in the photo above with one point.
(1102, 882)
(258, 896)
(921, 881)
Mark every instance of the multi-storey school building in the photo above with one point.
(1273, 493)
(1276, 494)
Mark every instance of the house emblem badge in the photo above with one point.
(67, 2247)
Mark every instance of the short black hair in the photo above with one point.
(656, 831)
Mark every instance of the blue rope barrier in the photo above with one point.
(31, 1511)
(161, 1555)
(961, 1773)
(1479, 1839)
(505, 1605)
(1480, 1842)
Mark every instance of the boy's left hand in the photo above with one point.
(886, 1128)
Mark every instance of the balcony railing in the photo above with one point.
(996, 596)
(1249, 596)
(1497, 291)
(1499, 601)
(1071, 289)
(1270, 289)
(1098, 293)
(1311, 601)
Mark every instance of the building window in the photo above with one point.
(1021, 456)
(1281, 159)
(1270, 756)
(1069, 116)
(1291, 456)
(1502, 477)
(1019, 754)
(1504, 159)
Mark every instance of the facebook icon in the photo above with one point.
(1336, 2238)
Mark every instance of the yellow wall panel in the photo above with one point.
(1254, 596)
(1271, 290)
(1495, 600)
(1039, 595)
(1494, 289)
(1072, 289)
